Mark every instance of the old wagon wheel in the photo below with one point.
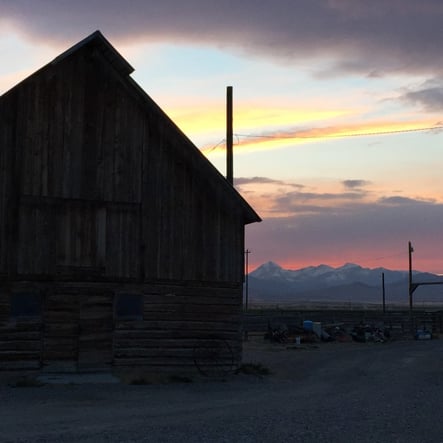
(214, 358)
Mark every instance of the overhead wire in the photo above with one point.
(398, 254)
(294, 136)
(359, 134)
(217, 145)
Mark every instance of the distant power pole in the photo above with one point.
(384, 294)
(411, 288)
(414, 285)
(247, 252)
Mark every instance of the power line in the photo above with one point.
(217, 145)
(294, 136)
(398, 254)
(359, 134)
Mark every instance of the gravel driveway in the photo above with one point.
(336, 392)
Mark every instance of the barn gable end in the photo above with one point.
(103, 200)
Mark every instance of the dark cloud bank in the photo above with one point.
(355, 184)
(366, 37)
(429, 95)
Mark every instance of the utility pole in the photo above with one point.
(229, 137)
(411, 288)
(384, 294)
(414, 285)
(247, 252)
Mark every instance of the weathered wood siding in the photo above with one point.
(7, 186)
(79, 329)
(102, 195)
(20, 339)
(178, 323)
(61, 332)
(100, 165)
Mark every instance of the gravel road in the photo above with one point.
(336, 392)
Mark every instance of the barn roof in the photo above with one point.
(110, 53)
(98, 41)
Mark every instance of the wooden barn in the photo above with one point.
(120, 244)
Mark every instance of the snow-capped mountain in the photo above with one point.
(273, 283)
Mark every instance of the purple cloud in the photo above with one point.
(429, 96)
(264, 180)
(297, 202)
(355, 184)
(398, 200)
(372, 38)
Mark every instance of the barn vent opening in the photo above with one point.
(25, 305)
(129, 307)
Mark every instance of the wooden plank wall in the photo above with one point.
(85, 134)
(80, 141)
(98, 185)
(20, 340)
(7, 188)
(36, 231)
(123, 241)
(95, 331)
(176, 325)
(78, 239)
(191, 230)
(61, 332)
(79, 329)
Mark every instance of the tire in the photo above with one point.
(214, 358)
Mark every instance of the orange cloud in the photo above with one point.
(371, 235)
(283, 138)
(209, 119)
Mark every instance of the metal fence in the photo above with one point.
(399, 322)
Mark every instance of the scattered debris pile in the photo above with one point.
(280, 333)
(336, 332)
(312, 332)
(370, 333)
(277, 334)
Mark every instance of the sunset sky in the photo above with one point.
(337, 109)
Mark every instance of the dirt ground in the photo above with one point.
(330, 392)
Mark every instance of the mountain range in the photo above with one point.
(270, 283)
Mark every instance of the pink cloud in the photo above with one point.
(371, 235)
